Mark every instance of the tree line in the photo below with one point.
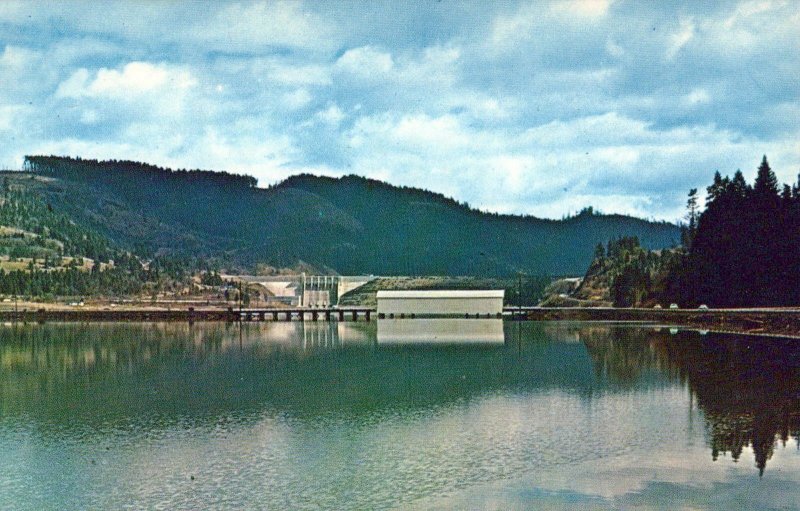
(741, 250)
(59, 166)
(127, 276)
(745, 249)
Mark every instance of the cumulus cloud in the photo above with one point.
(527, 107)
(134, 79)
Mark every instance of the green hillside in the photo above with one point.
(45, 253)
(351, 225)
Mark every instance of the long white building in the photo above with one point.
(440, 303)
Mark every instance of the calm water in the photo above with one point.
(466, 414)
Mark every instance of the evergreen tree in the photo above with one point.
(599, 251)
(738, 187)
(717, 188)
(765, 187)
(786, 193)
(688, 233)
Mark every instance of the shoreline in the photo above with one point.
(774, 322)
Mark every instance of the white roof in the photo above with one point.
(445, 293)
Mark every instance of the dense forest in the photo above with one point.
(128, 277)
(44, 253)
(30, 228)
(745, 250)
(349, 225)
(741, 250)
(627, 275)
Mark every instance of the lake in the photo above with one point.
(396, 414)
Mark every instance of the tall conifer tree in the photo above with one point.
(766, 184)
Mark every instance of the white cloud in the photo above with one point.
(431, 134)
(134, 79)
(698, 96)
(596, 130)
(485, 107)
(135, 92)
(139, 78)
(366, 62)
(332, 115)
(10, 115)
(89, 117)
(75, 86)
(15, 58)
(680, 38)
(530, 20)
(275, 23)
(297, 99)
(608, 161)
(508, 29)
(299, 75)
(746, 10)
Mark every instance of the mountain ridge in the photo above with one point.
(351, 224)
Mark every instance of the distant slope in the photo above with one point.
(30, 229)
(352, 224)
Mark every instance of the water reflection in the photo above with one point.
(111, 372)
(748, 387)
(440, 331)
(121, 376)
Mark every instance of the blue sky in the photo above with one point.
(523, 107)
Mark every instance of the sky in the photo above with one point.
(538, 108)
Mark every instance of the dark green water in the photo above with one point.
(471, 414)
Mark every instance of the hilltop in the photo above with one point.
(349, 225)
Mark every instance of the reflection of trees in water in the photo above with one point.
(69, 347)
(36, 359)
(748, 387)
(624, 354)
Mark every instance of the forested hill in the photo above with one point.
(351, 225)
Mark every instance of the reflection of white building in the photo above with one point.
(440, 303)
(440, 331)
(303, 335)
